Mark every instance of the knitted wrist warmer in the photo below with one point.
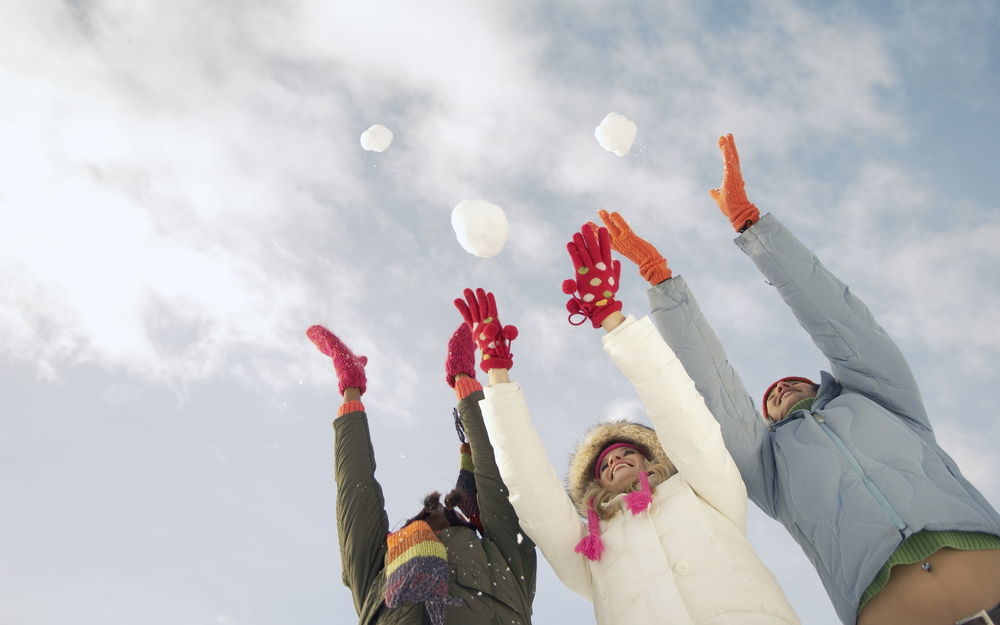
(350, 406)
(655, 270)
(467, 386)
(744, 217)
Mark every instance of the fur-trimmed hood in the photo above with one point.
(581, 463)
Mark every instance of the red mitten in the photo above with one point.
(593, 291)
(479, 310)
(461, 355)
(349, 367)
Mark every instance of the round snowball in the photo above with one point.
(376, 139)
(616, 133)
(480, 226)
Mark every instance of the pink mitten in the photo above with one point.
(461, 355)
(593, 291)
(479, 310)
(349, 367)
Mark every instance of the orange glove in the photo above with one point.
(652, 265)
(732, 197)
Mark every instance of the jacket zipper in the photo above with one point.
(872, 488)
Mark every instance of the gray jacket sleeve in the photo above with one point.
(679, 320)
(862, 356)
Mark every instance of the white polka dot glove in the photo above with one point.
(479, 310)
(593, 291)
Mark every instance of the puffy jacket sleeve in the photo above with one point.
(862, 356)
(361, 520)
(500, 522)
(679, 320)
(686, 429)
(546, 513)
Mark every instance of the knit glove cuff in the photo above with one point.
(655, 270)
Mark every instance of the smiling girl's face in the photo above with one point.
(620, 468)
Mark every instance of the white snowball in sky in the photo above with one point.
(616, 133)
(481, 227)
(376, 139)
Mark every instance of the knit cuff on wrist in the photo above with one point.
(600, 314)
(656, 271)
(466, 386)
(350, 406)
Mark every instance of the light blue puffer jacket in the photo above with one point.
(861, 471)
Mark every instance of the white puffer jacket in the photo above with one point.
(686, 560)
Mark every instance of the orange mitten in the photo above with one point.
(732, 197)
(652, 265)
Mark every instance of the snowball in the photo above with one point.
(376, 139)
(616, 133)
(481, 227)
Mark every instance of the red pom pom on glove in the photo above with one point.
(593, 290)
(350, 368)
(479, 310)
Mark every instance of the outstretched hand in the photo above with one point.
(652, 266)
(461, 356)
(350, 367)
(732, 196)
(479, 310)
(592, 293)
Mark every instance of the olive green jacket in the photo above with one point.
(492, 575)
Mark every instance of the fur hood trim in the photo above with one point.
(581, 464)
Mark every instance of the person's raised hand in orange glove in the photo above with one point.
(652, 265)
(732, 197)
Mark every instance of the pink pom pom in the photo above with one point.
(569, 286)
(591, 547)
(638, 501)
(510, 333)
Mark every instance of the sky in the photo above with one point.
(184, 192)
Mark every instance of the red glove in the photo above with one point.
(732, 197)
(461, 355)
(349, 367)
(593, 291)
(479, 310)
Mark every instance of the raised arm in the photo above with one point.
(679, 320)
(687, 431)
(362, 524)
(532, 487)
(493, 511)
(862, 356)
(683, 424)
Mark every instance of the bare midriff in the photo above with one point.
(956, 584)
